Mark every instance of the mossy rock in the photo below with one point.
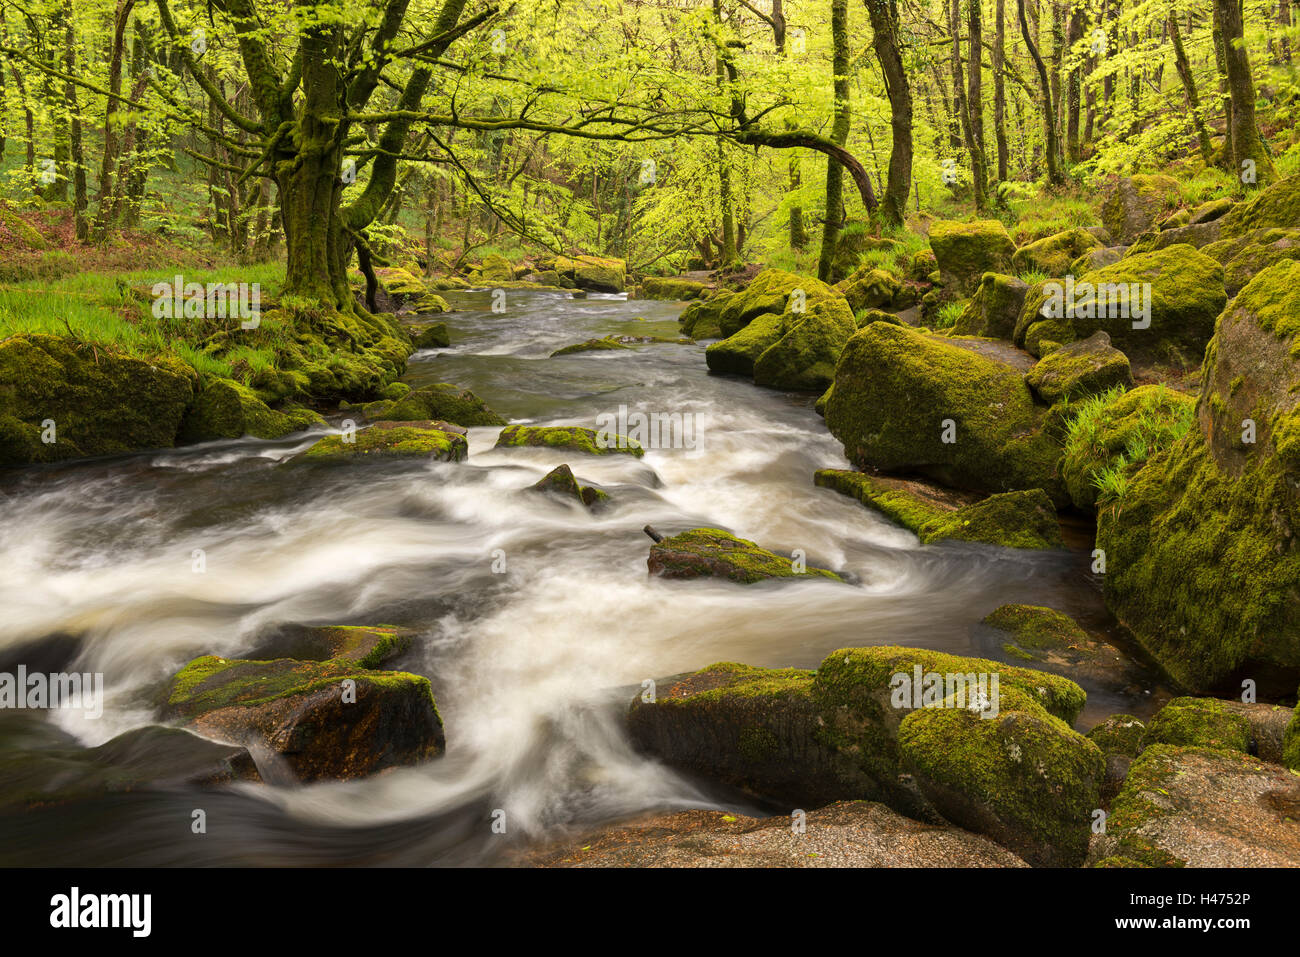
(326, 720)
(445, 402)
(225, 409)
(1087, 367)
(605, 343)
(1202, 550)
(101, 401)
(1277, 205)
(770, 292)
(1211, 210)
(1291, 742)
(922, 265)
(1196, 235)
(1199, 722)
(737, 354)
(867, 316)
(713, 553)
(700, 319)
(439, 441)
(1247, 256)
(401, 286)
(966, 251)
(1120, 734)
(1186, 296)
(1055, 642)
(994, 309)
(431, 304)
(560, 483)
(804, 358)
(599, 273)
(1024, 519)
(900, 395)
(568, 438)
(1097, 259)
(1053, 255)
(366, 646)
(1203, 807)
(493, 268)
(19, 230)
(432, 336)
(1135, 203)
(1141, 417)
(870, 289)
(1023, 778)
(672, 288)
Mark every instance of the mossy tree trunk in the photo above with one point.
(887, 44)
(1189, 86)
(999, 87)
(839, 135)
(1052, 151)
(1247, 145)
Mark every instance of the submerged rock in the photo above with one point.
(1055, 642)
(446, 402)
(1203, 807)
(440, 441)
(432, 336)
(1025, 519)
(713, 553)
(845, 834)
(590, 345)
(560, 482)
(331, 719)
(568, 438)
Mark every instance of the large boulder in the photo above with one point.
(86, 399)
(1249, 254)
(713, 553)
(772, 291)
(1052, 255)
(1203, 807)
(1082, 368)
(804, 358)
(870, 289)
(561, 484)
(1055, 642)
(966, 251)
(1197, 235)
(225, 409)
(1249, 727)
(330, 719)
(1135, 203)
(737, 353)
(672, 288)
(443, 401)
(1277, 205)
(1157, 306)
(701, 318)
(993, 310)
(1202, 556)
(905, 400)
(568, 438)
(1024, 519)
(599, 273)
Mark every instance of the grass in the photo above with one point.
(949, 312)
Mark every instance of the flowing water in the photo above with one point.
(537, 621)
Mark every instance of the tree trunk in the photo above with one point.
(1054, 176)
(1189, 86)
(885, 41)
(839, 135)
(1249, 154)
(999, 88)
(975, 104)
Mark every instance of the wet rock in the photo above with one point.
(845, 834)
(966, 251)
(1202, 557)
(326, 720)
(1082, 368)
(737, 353)
(701, 318)
(568, 438)
(432, 336)
(1203, 807)
(1254, 728)
(439, 441)
(1134, 204)
(446, 402)
(493, 268)
(1053, 255)
(904, 400)
(225, 409)
(1055, 642)
(713, 553)
(803, 358)
(673, 288)
(100, 401)
(994, 309)
(1025, 519)
(605, 343)
(367, 646)
(560, 483)
(39, 773)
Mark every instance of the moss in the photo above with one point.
(1276, 205)
(1053, 255)
(561, 482)
(804, 358)
(102, 401)
(391, 440)
(225, 409)
(870, 289)
(445, 402)
(1036, 628)
(1291, 742)
(1080, 369)
(894, 390)
(966, 251)
(737, 353)
(433, 336)
(493, 268)
(599, 273)
(1136, 202)
(1119, 734)
(654, 287)
(711, 552)
(590, 345)
(1199, 722)
(569, 438)
(700, 319)
(19, 229)
(768, 292)
(994, 308)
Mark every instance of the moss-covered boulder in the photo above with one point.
(493, 268)
(804, 358)
(1245, 256)
(904, 400)
(1277, 205)
(870, 289)
(1119, 734)
(568, 438)
(1198, 722)
(993, 310)
(1117, 431)
(1134, 203)
(599, 273)
(225, 409)
(367, 646)
(1023, 778)
(701, 318)
(1159, 306)
(736, 354)
(1202, 551)
(399, 287)
(330, 719)
(86, 400)
(1049, 639)
(713, 553)
(1203, 807)
(672, 288)
(600, 344)
(966, 251)
(1197, 235)
(432, 336)
(439, 441)
(445, 402)
(1210, 210)
(1024, 519)
(1097, 259)
(771, 291)
(1087, 367)
(1052, 255)
(560, 483)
